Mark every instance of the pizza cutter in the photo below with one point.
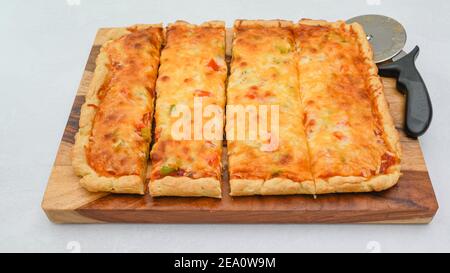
(387, 38)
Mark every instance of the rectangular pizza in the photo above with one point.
(352, 142)
(112, 144)
(189, 113)
(267, 147)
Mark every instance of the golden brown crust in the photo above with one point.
(356, 183)
(391, 175)
(311, 22)
(123, 184)
(117, 32)
(91, 180)
(273, 186)
(240, 23)
(185, 186)
(212, 24)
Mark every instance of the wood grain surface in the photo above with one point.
(412, 200)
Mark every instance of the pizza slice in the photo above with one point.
(186, 160)
(112, 144)
(267, 149)
(353, 144)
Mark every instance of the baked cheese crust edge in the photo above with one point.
(357, 183)
(90, 179)
(273, 186)
(185, 186)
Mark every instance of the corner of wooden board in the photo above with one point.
(59, 216)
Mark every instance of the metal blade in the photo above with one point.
(400, 55)
(386, 35)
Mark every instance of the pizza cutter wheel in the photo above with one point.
(387, 38)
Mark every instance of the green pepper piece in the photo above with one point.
(276, 173)
(172, 108)
(166, 170)
(283, 49)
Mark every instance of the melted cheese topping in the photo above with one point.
(345, 137)
(192, 65)
(264, 72)
(121, 136)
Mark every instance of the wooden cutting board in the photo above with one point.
(412, 200)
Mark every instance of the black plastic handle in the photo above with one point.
(419, 110)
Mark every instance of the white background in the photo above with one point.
(44, 46)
